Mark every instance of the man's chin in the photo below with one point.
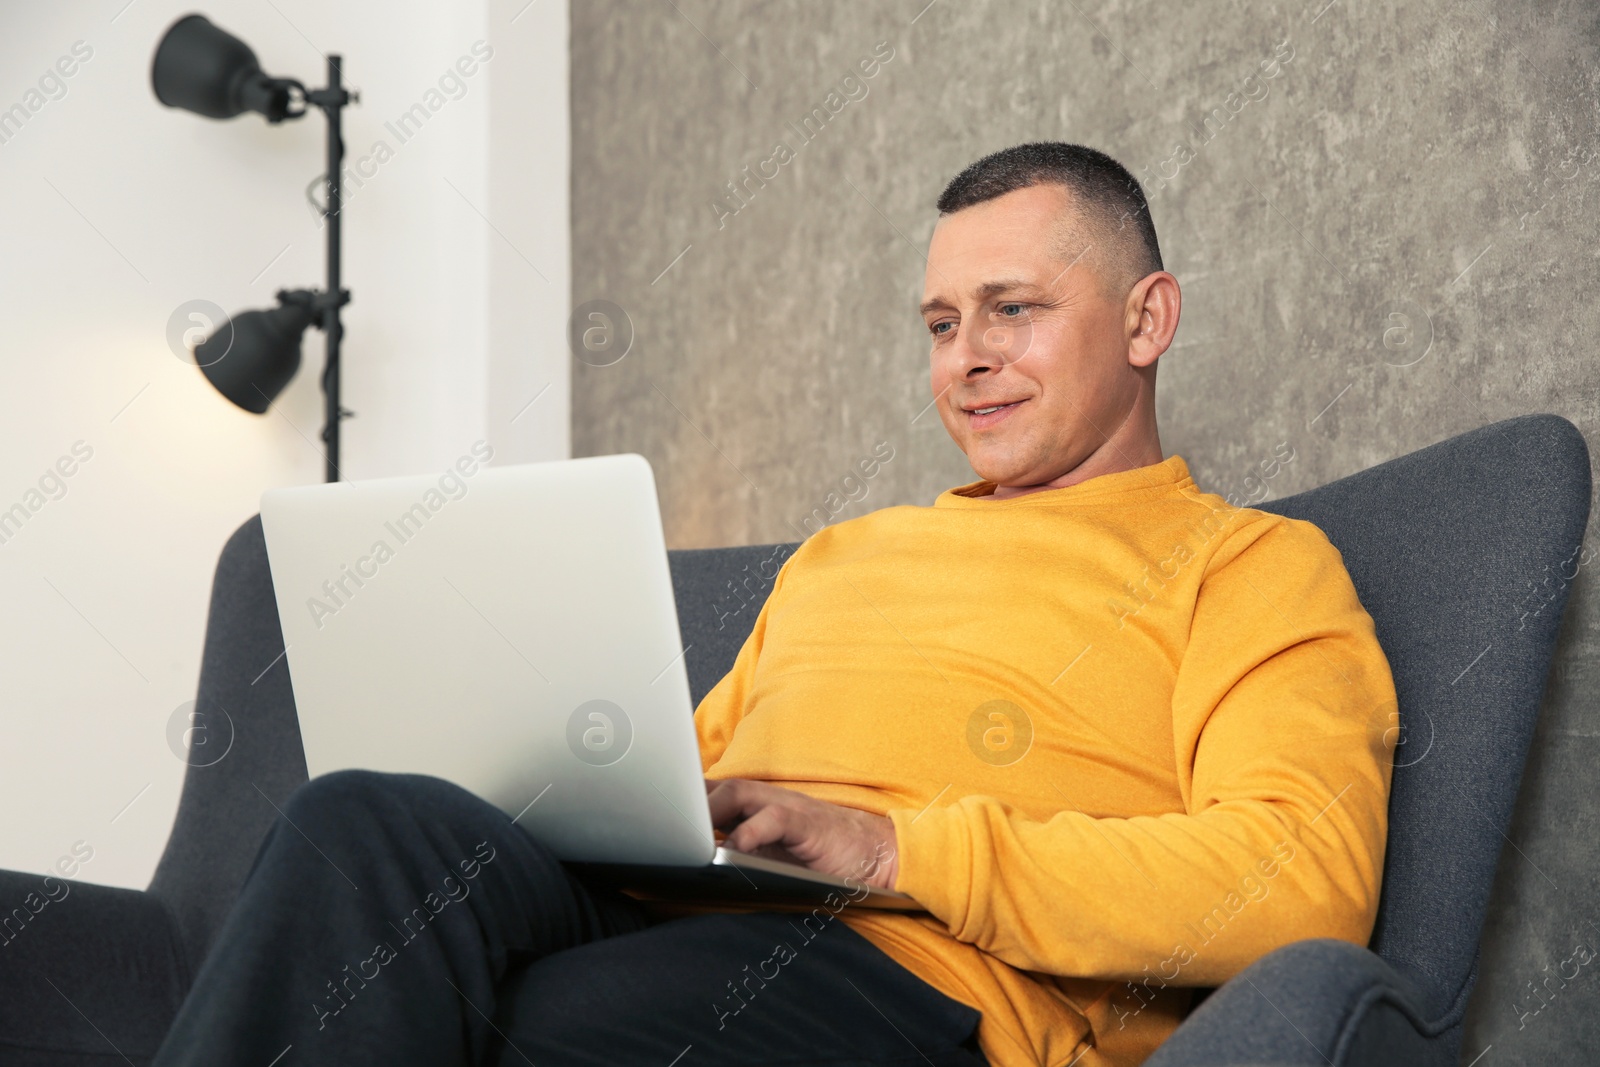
(1009, 471)
(999, 473)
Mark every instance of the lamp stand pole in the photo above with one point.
(332, 101)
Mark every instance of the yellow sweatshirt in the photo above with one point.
(1131, 739)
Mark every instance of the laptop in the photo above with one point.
(512, 629)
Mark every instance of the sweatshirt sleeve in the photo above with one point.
(722, 708)
(1284, 727)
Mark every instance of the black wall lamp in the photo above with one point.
(200, 68)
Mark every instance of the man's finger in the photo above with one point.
(738, 799)
(768, 826)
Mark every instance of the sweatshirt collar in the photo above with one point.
(1157, 479)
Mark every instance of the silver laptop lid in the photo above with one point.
(511, 629)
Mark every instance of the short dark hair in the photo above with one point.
(1109, 199)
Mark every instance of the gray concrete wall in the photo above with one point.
(1388, 243)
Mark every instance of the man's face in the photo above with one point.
(1015, 324)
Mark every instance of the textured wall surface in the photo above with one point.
(1387, 242)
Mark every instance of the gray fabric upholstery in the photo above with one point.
(1440, 544)
(224, 810)
(1310, 1004)
(99, 970)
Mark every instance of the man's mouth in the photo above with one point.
(981, 417)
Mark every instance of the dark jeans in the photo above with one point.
(399, 919)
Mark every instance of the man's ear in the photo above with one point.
(1152, 317)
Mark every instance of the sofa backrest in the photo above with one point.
(1452, 550)
(246, 707)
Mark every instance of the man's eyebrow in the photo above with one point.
(985, 291)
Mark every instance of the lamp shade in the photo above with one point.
(252, 358)
(203, 69)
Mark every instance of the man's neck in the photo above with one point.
(1108, 459)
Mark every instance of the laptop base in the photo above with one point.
(734, 877)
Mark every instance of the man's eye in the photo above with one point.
(938, 329)
(1011, 310)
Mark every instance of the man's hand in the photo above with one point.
(768, 820)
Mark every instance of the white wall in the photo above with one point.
(117, 210)
(530, 278)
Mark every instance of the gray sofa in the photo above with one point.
(1440, 544)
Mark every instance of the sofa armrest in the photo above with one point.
(86, 972)
(1318, 1002)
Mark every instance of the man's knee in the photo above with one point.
(352, 801)
(360, 804)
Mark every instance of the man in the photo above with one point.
(1119, 738)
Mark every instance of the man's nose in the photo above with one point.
(986, 344)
